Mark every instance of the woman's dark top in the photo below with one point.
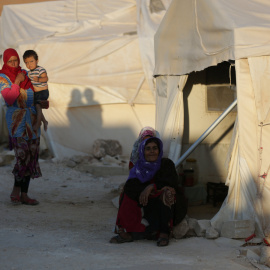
(165, 176)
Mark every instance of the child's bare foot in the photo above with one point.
(45, 124)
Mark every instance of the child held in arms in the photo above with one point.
(39, 79)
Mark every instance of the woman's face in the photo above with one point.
(151, 152)
(13, 62)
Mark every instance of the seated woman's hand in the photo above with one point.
(143, 199)
(19, 78)
(168, 196)
(172, 190)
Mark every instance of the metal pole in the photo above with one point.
(206, 133)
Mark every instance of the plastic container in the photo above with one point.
(190, 172)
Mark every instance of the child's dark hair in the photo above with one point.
(30, 53)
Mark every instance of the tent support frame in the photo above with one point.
(206, 133)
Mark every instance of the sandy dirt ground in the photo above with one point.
(72, 225)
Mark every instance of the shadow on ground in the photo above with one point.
(204, 211)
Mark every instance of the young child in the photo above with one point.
(39, 78)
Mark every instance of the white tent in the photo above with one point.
(99, 58)
(195, 35)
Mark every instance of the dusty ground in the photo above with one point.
(72, 225)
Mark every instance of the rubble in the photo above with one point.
(201, 227)
(237, 229)
(180, 230)
(211, 233)
(6, 157)
(101, 148)
(265, 256)
(191, 224)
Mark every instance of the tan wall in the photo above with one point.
(14, 2)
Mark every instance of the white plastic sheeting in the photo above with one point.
(248, 175)
(197, 34)
(170, 113)
(97, 53)
(149, 17)
(89, 43)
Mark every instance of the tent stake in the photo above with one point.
(205, 134)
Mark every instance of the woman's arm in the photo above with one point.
(133, 188)
(11, 94)
(143, 199)
(167, 175)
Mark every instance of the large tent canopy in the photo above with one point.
(92, 44)
(205, 33)
(99, 56)
(195, 35)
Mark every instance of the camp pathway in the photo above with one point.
(71, 227)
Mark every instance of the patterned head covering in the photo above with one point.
(145, 170)
(12, 72)
(146, 131)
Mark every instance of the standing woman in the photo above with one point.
(18, 93)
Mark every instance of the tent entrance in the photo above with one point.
(206, 133)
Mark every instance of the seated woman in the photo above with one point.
(151, 202)
(145, 133)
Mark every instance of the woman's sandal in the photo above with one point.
(29, 201)
(163, 242)
(15, 200)
(119, 239)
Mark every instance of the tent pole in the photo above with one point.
(206, 133)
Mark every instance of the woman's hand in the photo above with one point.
(168, 196)
(169, 188)
(145, 194)
(19, 78)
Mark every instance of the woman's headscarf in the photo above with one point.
(145, 170)
(12, 72)
(146, 131)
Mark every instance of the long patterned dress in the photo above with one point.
(19, 117)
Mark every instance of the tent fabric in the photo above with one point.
(249, 190)
(99, 55)
(89, 43)
(194, 35)
(106, 46)
(205, 33)
(170, 113)
(149, 16)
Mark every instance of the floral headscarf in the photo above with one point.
(145, 170)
